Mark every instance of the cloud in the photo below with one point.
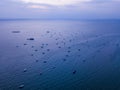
(55, 2)
(76, 4)
(38, 6)
(60, 9)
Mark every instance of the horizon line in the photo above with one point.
(14, 19)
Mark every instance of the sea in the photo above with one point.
(59, 54)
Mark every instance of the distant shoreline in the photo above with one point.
(30, 19)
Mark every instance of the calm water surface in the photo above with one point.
(59, 55)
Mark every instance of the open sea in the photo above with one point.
(59, 55)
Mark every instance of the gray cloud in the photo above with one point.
(86, 10)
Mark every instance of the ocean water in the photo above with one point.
(59, 55)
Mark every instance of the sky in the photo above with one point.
(60, 9)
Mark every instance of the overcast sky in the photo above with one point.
(60, 9)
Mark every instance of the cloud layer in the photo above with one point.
(55, 2)
(73, 9)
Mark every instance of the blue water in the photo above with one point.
(59, 55)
